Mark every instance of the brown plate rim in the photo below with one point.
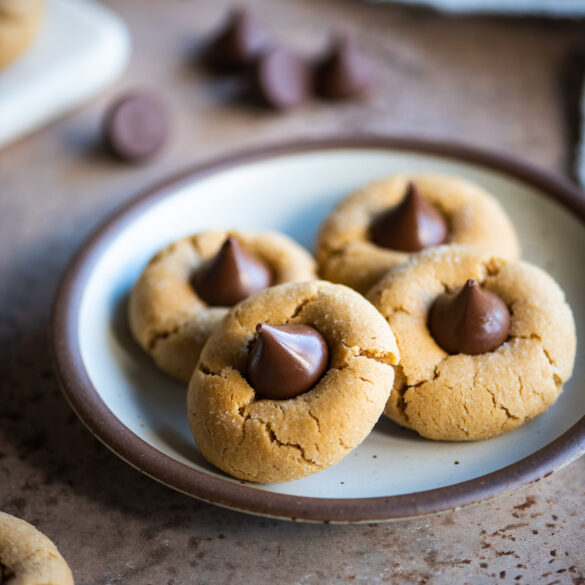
(93, 412)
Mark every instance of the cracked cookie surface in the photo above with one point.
(28, 557)
(468, 397)
(20, 21)
(167, 317)
(279, 440)
(346, 254)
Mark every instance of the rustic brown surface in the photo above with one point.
(491, 82)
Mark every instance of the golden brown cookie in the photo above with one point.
(169, 319)
(267, 440)
(28, 557)
(20, 21)
(347, 254)
(467, 397)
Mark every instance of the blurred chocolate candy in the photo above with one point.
(344, 73)
(232, 275)
(286, 360)
(135, 127)
(281, 79)
(238, 43)
(410, 226)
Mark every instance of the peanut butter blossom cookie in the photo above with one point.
(28, 557)
(378, 227)
(486, 344)
(187, 288)
(20, 21)
(291, 381)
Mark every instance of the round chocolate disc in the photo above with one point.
(286, 360)
(136, 127)
(281, 79)
(344, 73)
(471, 320)
(411, 226)
(232, 275)
(238, 43)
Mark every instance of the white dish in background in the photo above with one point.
(140, 413)
(82, 47)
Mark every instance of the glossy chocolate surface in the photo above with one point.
(286, 360)
(471, 320)
(410, 226)
(232, 275)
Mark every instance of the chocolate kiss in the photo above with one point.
(281, 79)
(471, 320)
(286, 360)
(344, 73)
(232, 275)
(412, 225)
(238, 44)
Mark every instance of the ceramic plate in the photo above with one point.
(82, 48)
(140, 413)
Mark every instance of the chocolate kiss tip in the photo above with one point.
(286, 360)
(470, 321)
(230, 276)
(344, 73)
(410, 226)
(238, 43)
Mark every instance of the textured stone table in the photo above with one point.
(495, 83)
